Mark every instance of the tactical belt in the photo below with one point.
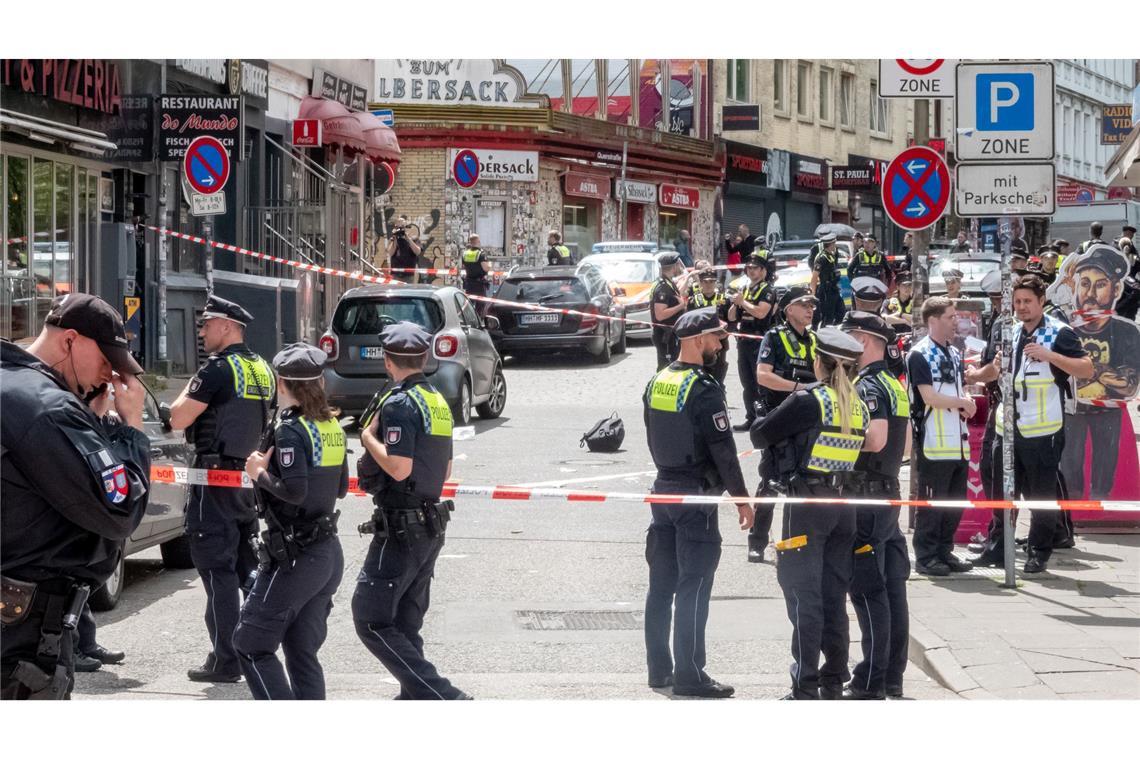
(284, 546)
(61, 602)
(405, 522)
(218, 462)
(868, 483)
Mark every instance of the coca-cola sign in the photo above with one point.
(677, 196)
(584, 185)
(181, 118)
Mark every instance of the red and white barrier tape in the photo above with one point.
(235, 479)
(436, 271)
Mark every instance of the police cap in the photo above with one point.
(1019, 254)
(299, 361)
(698, 322)
(869, 288)
(797, 294)
(708, 273)
(668, 258)
(756, 260)
(94, 318)
(991, 283)
(870, 237)
(219, 308)
(1060, 243)
(838, 344)
(405, 339)
(1019, 247)
(828, 238)
(867, 322)
(950, 273)
(1106, 259)
(1129, 229)
(904, 279)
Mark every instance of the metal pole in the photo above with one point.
(163, 248)
(208, 233)
(919, 278)
(1005, 229)
(621, 212)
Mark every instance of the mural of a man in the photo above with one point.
(1113, 343)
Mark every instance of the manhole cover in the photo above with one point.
(579, 620)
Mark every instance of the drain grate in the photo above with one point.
(580, 620)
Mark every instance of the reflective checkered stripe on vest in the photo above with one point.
(253, 379)
(1039, 406)
(328, 442)
(434, 411)
(671, 389)
(834, 450)
(900, 404)
(943, 429)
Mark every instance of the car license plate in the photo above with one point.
(539, 319)
(371, 352)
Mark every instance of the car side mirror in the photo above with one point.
(492, 322)
(164, 415)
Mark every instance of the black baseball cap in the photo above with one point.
(94, 318)
(299, 361)
(698, 322)
(865, 321)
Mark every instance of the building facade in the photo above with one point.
(1088, 90)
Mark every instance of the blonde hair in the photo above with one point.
(838, 375)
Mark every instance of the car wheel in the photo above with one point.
(176, 554)
(620, 346)
(461, 412)
(497, 401)
(604, 356)
(107, 596)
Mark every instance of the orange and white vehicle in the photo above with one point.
(630, 268)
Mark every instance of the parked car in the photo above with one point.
(579, 288)
(630, 269)
(164, 523)
(463, 363)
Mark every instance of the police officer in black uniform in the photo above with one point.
(300, 471)
(786, 362)
(224, 409)
(869, 262)
(881, 562)
(825, 283)
(75, 484)
(753, 310)
(475, 269)
(869, 294)
(703, 294)
(691, 442)
(814, 438)
(667, 303)
(406, 432)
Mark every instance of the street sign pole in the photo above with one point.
(1005, 230)
(920, 243)
(621, 212)
(208, 233)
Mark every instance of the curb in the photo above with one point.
(932, 655)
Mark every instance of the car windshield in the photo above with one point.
(543, 291)
(624, 270)
(971, 270)
(370, 316)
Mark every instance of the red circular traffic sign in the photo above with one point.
(919, 70)
(385, 177)
(206, 165)
(465, 169)
(916, 188)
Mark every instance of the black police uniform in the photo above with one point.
(748, 349)
(865, 264)
(301, 562)
(474, 278)
(881, 561)
(814, 559)
(239, 390)
(665, 293)
(717, 301)
(831, 307)
(74, 487)
(393, 587)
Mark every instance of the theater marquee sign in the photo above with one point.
(453, 81)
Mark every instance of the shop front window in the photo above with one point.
(43, 221)
(579, 228)
(15, 299)
(64, 251)
(669, 226)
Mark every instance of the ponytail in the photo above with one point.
(838, 375)
(311, 399)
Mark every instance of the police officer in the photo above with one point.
(1046, 353)
(703, 294)
(407, 436)
(1046, 268)
(667, 303)
(224, 409)
(899, 308)
(869, 262)
(691, 442)
(953, 279)
(940, 408)
(881, 563)
(301, 473)
(869, 294)
(557, 254)
(74, 485)
(475, 269)
(1096, 229)
(1019, 260)
(752, 309)
(786, 363)
(825, 282)
(814, 438)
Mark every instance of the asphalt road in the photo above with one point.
(510, 571)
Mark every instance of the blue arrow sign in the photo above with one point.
(207, 166)
(386, 115)
(918, 190)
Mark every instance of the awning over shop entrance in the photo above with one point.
(355, 131)
(1123, 169)
(51, 132)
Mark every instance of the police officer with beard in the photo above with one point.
(704, 294)
(881, 563)
(75, 483)
(224, 409)
(691, 442)
(752, 309)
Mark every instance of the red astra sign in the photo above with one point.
(584, 185)
(677, 196)
(307, 133)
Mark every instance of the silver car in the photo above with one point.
(463, 364)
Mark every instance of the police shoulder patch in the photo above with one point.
(195, 384)
(393, 435)
(765, 351)
(872, 404)
(287, 456)
(115, 485)
(720, 419)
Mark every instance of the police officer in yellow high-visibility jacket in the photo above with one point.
(475, 271)
(224, 409)
(814, 438)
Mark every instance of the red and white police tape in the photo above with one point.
(236, 479)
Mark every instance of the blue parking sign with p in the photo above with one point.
(1005, 102)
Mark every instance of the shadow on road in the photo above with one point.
(146, 581)
(559, 361)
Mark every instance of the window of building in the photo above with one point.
(880, 111)
(847, 100)
(580, 227)
(669, 225)
(803, 90)
(780, 86)
(738, 71)
(826, 78)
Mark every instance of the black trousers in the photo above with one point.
(747, 352)
(289, 608)
(831, 307)
(934, 527)
(477, 288)
(760, 532)
(219, 523)
(393, 592)
(667, 347)
(815, 578)
(20, 642)
(1036, 463)
(878, 594)
(682, 548)
(85, 639)
(1104, 427)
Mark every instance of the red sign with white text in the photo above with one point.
(307, 133)
(678, 196)
(582, 185)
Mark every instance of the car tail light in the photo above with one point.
(589, 322)
(329, 345)
(446, 346)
